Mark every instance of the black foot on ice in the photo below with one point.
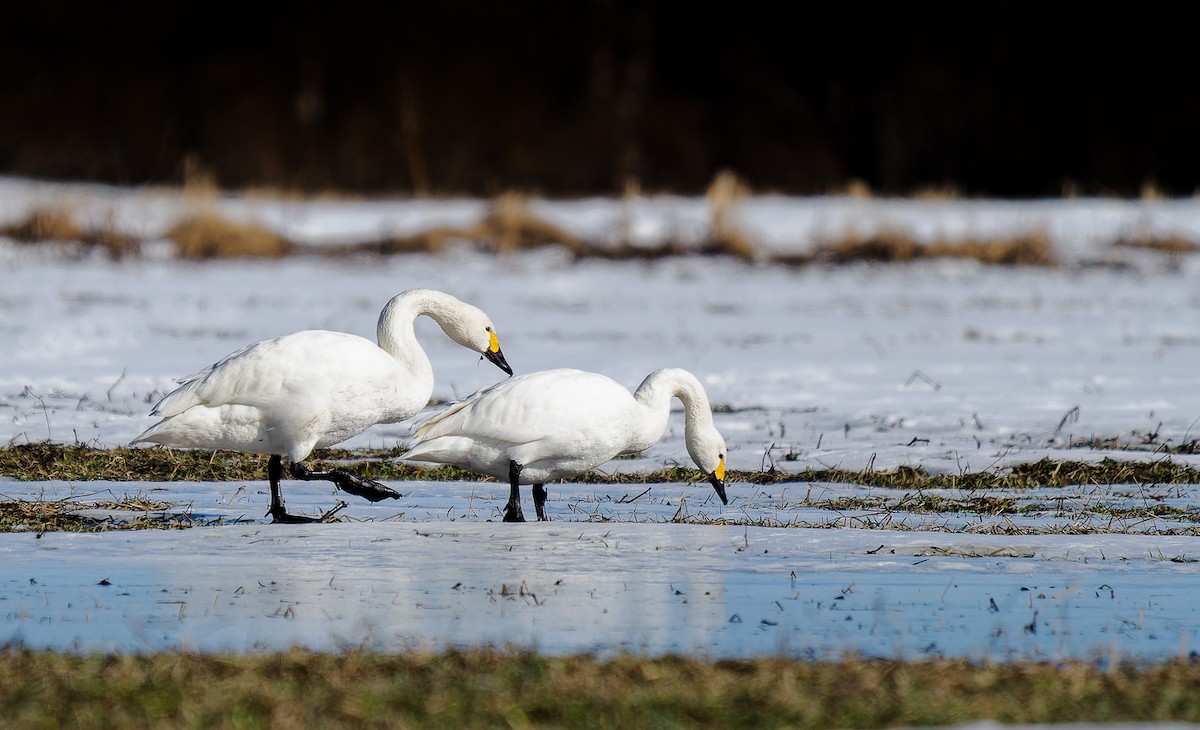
(283, 517)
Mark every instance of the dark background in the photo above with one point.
(570, 98)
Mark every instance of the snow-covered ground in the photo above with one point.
(948, 365)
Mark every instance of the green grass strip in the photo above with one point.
(478, 689)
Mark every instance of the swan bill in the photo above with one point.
(719, 486)
(496, 357)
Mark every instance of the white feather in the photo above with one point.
(315, 388)
(559, 423)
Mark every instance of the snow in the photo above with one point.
(947, 365)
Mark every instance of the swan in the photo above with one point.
(558, 423)
(289, 395)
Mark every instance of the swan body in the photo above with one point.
(289, 395)
(552, 424)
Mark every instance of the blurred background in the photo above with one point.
(466, 97)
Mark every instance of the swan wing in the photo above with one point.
(557, 406)
(265, 372)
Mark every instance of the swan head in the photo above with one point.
(707, 449)
(472, 329)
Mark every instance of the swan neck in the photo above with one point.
(396, 332)
(655, 394)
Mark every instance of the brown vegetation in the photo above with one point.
(209, 236)
(1168, 245)
(43, 461)
(512, 225)
(44, 224)
(894, 247)
(57, 225)
(727, 237)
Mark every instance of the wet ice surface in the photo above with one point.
(435, 570)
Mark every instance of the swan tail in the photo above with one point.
(442, 450)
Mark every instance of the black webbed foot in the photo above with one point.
(348, 482)
(283, 517)
(368, 489)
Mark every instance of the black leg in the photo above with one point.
(512, 510)
(539, 501)
(278, 512)
(348, 482)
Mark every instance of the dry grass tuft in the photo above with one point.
(511, 226)
(57, 225)
(140, 513)
(431, 241)
(724, 193)
(896, 247)
(946, 191)
(200, 185)
(854, 188)
(45, 224)
(116, 244)
(208, 236)
(1169, 245)
(1150, 191)
(887, 247)
(1030, 250)
(42, 461)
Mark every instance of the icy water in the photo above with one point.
(436, 572)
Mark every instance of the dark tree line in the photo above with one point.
(561, 98)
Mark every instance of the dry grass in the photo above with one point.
(724, 193)
(511, 225)
(896, 247)
(138, 513)
(1030, 250)
(45, 224)
(43, 461)
(854, 188)
(469, 689)
(1168, 245)
(938, 192)
(430, 241)
(209, 236)
(58, 226)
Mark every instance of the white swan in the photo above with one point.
(289, 395)
(558, 423)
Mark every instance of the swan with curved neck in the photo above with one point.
(289, 395)
(558, 423)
